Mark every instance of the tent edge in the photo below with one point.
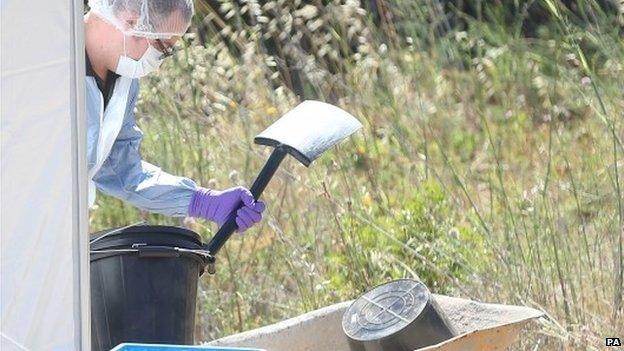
(79, 170)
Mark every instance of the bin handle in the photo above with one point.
(157, 251)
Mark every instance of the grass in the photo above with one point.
(489, 166)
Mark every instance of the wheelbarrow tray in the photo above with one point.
(480, 327)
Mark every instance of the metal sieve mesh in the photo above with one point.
(385, 310)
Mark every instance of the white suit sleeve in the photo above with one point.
(126, 176)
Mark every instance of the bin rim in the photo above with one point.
(201, 256)
(127, 240)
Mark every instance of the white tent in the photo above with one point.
(44, 263)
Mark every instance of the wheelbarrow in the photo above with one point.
(480, 327)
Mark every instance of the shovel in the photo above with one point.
(305, 132)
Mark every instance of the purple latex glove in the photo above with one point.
(216, 206)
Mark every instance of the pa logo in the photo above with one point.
(613, 342)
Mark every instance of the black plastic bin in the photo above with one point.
(144, 285)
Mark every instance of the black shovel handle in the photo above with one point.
(256, 189)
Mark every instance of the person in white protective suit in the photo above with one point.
(126, 40)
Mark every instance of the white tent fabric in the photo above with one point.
(43, 213)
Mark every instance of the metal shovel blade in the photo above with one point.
(305, 132)
(309, 129)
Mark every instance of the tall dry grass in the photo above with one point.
(489, 166)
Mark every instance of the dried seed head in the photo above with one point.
(212, 183)
(233, 176)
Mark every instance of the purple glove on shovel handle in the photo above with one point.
(216, 206)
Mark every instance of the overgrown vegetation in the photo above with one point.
(489, 166)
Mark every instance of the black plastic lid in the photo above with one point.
(149, 234)
(385, 310)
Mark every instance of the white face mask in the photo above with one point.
(129, 67)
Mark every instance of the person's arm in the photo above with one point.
(126, 176)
